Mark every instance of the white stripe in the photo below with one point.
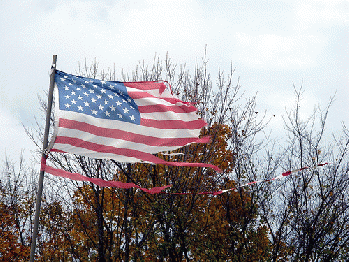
(170, 116)
(117, 143)
(153, 92)
(93, 154)
(155, 100)
(129, 127)
(152, 101)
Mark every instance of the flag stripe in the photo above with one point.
(149, 103)
(126, 152)
(98, 181)
(164, 108)
(117, 143)
(127, 122)
(142, 95)
(154, 92)
(147, 86)
(169, 116)
(96, 147)
(172, 124)
(129, 136)
(146, 101)
(129, 127)
(66, 148)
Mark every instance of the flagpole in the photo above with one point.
(44, 156)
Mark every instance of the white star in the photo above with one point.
(83, 86)
(110, 96)
(129, 100)
(123, 100)
(86, 82)
(95, 86)
(73, 102)
(120, 115)
(65, 76)
(107, 113)
(93, 100)
(70, 84)
(74, 81)
(80, 108)
(78, 88)
(101, 107)
(106, 102)
(103, 90)
(94, 112)
(103, 82)
(62, 79)
(118, 103)
(67, 96)
(132, 118)
(92, 91)
(111, 87)
(99, 96)
(112, 108)
(73, 93)
(85, 93)
(67, 105)
(86, 104)
(66, 88)
(80, 97)
(125, 110)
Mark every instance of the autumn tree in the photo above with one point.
(112, 224)
(17, 197)
(301, 217)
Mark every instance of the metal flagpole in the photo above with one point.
(44, 156)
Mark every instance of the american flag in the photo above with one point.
(127, 122)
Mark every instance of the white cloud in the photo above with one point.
(279, 102)
(124, 32)
(316, 13)
(13, 138)
(275, 51)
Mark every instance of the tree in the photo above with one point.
(115, 224)
(16, 207)
(168, 226)
(302, 217)
(307, 213)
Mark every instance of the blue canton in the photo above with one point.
(100, 99)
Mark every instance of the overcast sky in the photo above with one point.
(272, 44)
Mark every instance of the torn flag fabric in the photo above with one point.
(127, 122)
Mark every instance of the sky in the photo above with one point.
(272, 44)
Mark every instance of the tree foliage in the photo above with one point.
(303, 217)
(16, 206)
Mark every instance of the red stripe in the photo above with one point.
(287, 173)
(126, 152)
(173, 124)
(163, 108)
(58, 151)
(75, 176)
(141, 95)
(147, 86)
(43, 163)
(128, 136)
(100, 182)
